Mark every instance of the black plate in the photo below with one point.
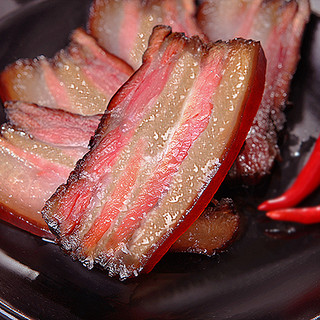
(271, 272)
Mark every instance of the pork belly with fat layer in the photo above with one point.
(213, 231)
(163, 147)
(53, 126)
(80, 79)
(124, 27)
(279, 25)
(30, 172)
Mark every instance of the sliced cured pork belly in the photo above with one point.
(38, 149)
(53, 126)
(163, 147)
(214, 230)
(30, 172)
(279, 25)
(123, 27)
(80, 79)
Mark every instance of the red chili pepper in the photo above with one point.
(301, 215)
(307, 181)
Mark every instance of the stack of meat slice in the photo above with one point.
(143, 183)
(279, 25)
(80, 79)
(39, 156)
(52, 140)
(163, 147)
(41, 145)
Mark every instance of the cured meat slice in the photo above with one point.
(80, 79)
(30, 172)
(124, 27)
(279, 25)
(37, 158)
(212, 231)
(163, 147)
(52, 126)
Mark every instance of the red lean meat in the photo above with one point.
(279, 25)
(39, 147)
(163, 147)
(123, 27)
(53, 126)
(80, 79)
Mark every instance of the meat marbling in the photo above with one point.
(80, 79)
(279, 25)
(123, 27)
(163, 147)
(213, 231)
(53, 126)
(30, 172)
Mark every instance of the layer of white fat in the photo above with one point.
(150, 17)
(106, 26)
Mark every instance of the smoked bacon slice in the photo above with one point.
(39, 147)
(163, 147)
(80, 79)
(124, 27)
(279, 25)
(211, 232)
(30, 172)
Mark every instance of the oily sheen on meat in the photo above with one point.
(123, 27)
(28, 185)
(81, 78)
(279, 25)
(163, 147)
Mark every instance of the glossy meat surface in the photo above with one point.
(39, 148)
(123, 27)
(30, 172)
(80, 79)
(212, 231)
(279, 25)
(162, 149)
